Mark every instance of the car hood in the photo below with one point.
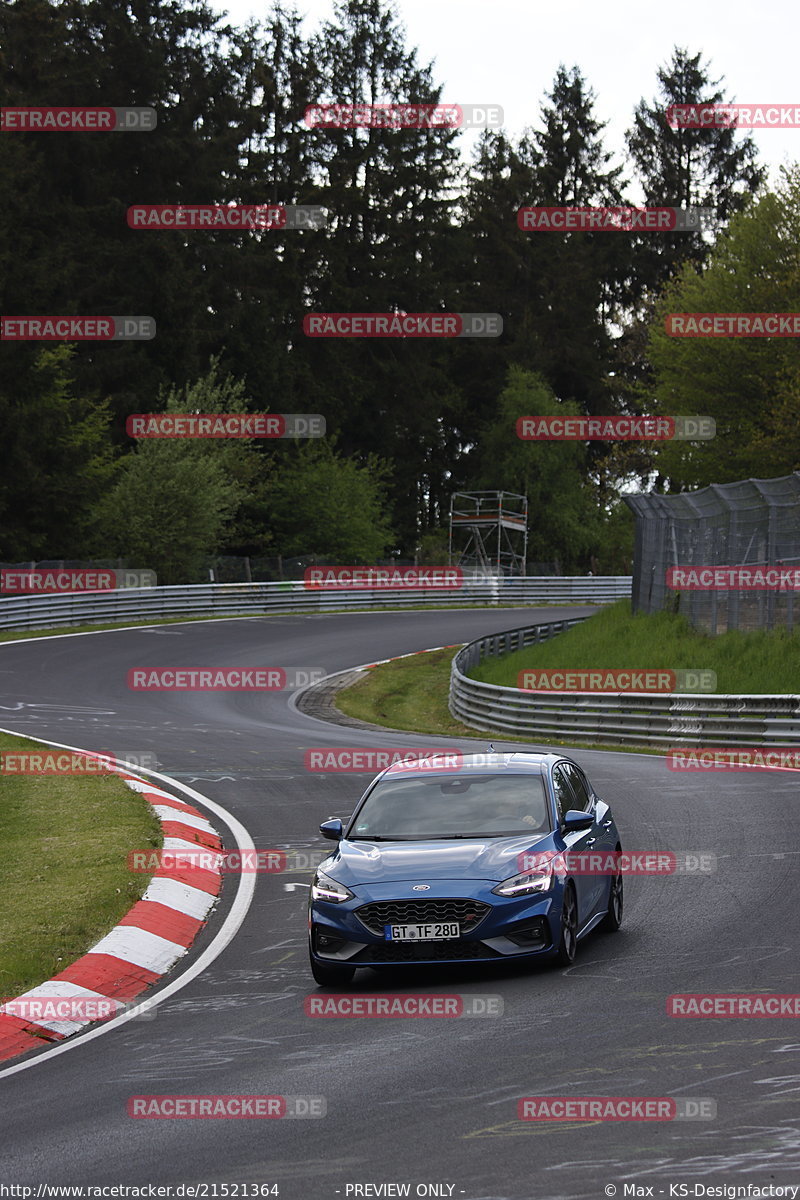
(471, 858)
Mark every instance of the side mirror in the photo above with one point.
(575, 819)
(332, 829)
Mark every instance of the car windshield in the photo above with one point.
(453, 806)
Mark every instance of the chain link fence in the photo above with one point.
(753, 522)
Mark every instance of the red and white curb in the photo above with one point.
(147, 943)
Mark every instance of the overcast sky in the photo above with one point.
(507, 52)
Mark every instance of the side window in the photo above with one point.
(564, 797)
(580, 787)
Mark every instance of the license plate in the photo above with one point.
(440, 932)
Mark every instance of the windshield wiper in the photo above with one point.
(422, 837)
(446, 837)
(377, 839)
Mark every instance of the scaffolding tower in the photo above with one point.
(488, 532)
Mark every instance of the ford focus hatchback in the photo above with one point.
(484, 860)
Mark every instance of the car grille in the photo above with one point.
(468, 913)
(407, 952)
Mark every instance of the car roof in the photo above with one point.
(518, 761)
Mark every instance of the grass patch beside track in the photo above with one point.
(763, 662)
(408, 693)
(65, 883)
(411, 694)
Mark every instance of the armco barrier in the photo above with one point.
(613, 718)
(234, 599)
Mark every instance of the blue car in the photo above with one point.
(492, 858)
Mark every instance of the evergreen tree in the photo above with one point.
(387, 248)
(495, 269)
(579, 278)
(55, 456)
(711, 167)
(69, 197)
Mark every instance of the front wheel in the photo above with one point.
(568, 940)
(331, 974)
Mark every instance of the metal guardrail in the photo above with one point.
(676, 719)
(236, 599)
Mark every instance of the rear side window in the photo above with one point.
(583, 797)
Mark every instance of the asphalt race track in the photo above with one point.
(416, 1101)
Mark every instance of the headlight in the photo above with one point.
(527, 882)
(325, 888)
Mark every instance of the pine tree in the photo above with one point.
(579, 278)
(387, 248)
(711, 167)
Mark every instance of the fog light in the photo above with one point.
(327, 943)
(530, 935)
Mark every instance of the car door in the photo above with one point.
(577, 841)
(597, 838)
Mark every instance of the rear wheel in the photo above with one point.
(331, 974)
(568, 940)
(613, 918)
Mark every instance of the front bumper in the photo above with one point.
(518, 927)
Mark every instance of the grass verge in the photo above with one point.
(760, 662)
(408, 693)
(65, 882)
(411, 694)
